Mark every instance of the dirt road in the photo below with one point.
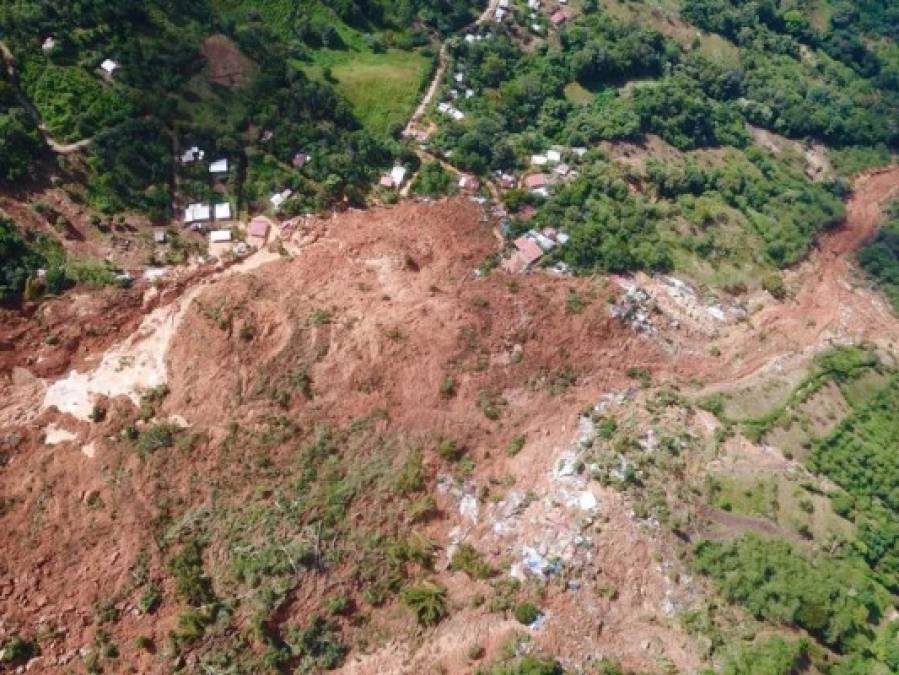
(413, 128)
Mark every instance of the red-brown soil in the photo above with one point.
(379, 307)
(226, 64)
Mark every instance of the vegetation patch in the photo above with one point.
(381, 88)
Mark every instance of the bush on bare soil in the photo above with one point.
(427, 601)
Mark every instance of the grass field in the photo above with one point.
(382, 88)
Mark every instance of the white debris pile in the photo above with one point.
(651, 303)
(635, 309)
(464, 494)
(549, 534)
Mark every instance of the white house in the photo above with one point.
(554, 156)
(223, 211)
(398, 175)
(280, 197)
(109, 67)
(219, 166)
(49, 44)
(192, 154)
(539, 160)
(220, 236)
(195, 213)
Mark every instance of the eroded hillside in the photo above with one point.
(370, 426)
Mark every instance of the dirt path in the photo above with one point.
(412, 128)
(59, 148)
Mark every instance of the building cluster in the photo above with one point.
(531, 247)
(198, 214)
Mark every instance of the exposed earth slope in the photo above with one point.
(377, 323)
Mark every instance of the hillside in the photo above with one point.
(443, 336)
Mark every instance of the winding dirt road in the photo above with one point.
(413, 127)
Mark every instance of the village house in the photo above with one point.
(196, 213)
(159, 235)
(536, 181)
(554, 156)
(507, 181)
(539, 160)
(531, 247)
(220, 236)
(526, 253)
(453, 112)
(219, 166)
(192, 154)
(223, 211)
(469, 183)
(49, 44)
(562, 169)
(398, 175)
(257, 230)
(109, 67)
(299, 160)
(280, 197)
(559, 17)
(394, 179)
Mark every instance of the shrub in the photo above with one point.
(143, 643)
(774, 284)
(427, 601)
(641, 374)
(18, 650)
(150, 599)
(422, 509)
(411, 475)
(491, 404)
(157, 437)
(449, 449)
(515, 445)
(191, 583)
(318, 645)
(526, 613)
(191, 626)
(467, 559)
(448, 388)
